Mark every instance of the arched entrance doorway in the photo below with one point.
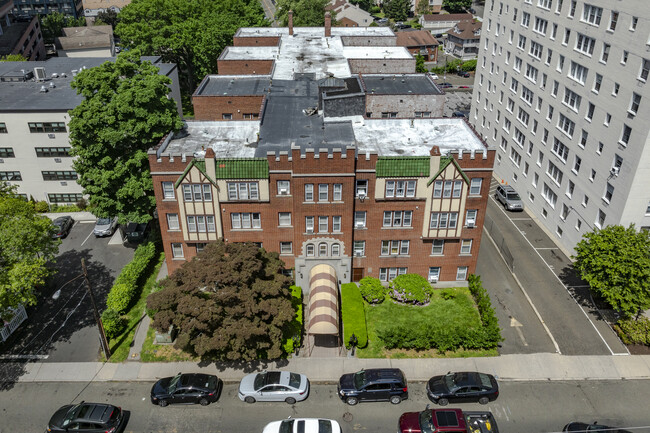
(323, 323)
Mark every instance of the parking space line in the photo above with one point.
(87, 237)
(556, 277)
(547, 248)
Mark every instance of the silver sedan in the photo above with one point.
(274, 386)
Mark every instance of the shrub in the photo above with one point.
(41, 207)
(82, 204)
(293, 333)
(469, 65)
(488, 317)
(411, 289)
(372, 290)
(634, 331)
(441, 337)
(120, 297)
(157, 287)
(375, 9)
(114, 324)
(353, 315)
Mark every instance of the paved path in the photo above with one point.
(541, 366)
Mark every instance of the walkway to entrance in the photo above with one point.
(323, 335)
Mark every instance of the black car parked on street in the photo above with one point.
(373, 384)
(136, 232)
(87, 417)
(62, 226)
(462, 387)
(584, 427)
(188, 388)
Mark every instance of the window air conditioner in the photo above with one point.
(433, 279)
(470, 224)
(310, 231)
(361, 195)
(283, 191)
(57, 159)
(358, 253)
(359, 224)
(615, 171)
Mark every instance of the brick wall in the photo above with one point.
(244, 67)
(404, 105)
(214, 107)
(257, 41)
(382, 66)
(366, 41)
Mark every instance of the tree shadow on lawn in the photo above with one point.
(55, 320)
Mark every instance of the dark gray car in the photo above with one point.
(508, 197)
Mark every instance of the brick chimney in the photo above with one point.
(291, 23)
(328, 24)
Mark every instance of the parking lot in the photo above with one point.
(62, 328)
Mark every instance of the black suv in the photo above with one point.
(374, 384)
(87, 417)
(136, 232)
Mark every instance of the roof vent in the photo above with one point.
(43, 89)
(74, 72)
(55, 75)
(39, 73)
(52, 85)
(63, 75)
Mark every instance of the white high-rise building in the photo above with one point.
(561, 91)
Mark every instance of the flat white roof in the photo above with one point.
(314, 31)
(228, 139)
(406, 137)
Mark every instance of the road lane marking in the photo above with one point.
(514, 323)
(87, 237)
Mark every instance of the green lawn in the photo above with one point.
(458, 311)
(121, 345)
(162, 352)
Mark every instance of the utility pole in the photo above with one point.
(102, 336)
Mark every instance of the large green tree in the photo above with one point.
(191, 34)
(397, 10)
(109, 16)
(615, 261)
(26, 245)
(231, 302)
(306, 13)
(125, 111)
(53, 23)
(456, 6)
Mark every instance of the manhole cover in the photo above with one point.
(347, 417)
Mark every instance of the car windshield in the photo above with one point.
(513, 196)
(324, 426)
(286, 426)
(596, 427)
(359, 379)
(450, 381)
(485, 380)
(211, 383)
(426, 423)
(294, 380)
(173, 384)
(103, 221)
(72, 414)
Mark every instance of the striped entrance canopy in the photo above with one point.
(323, 301)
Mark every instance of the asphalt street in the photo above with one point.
(64, 329)
(522, 407)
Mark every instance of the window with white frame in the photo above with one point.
(514, 84)
(522, 116)
(394, 248)
(510, 105)
(323, 224)
(177, 250)
(309, 224)
(600, 220)
(609, 192)
(525, 19)
(336, 224)
(310, 250)
(567, 36)
(519, 138)
(613, 20)
(560, 150)
(443, 220)
(437, 249)
(172, 221)
(583, 139)
(571, 99)
(309, 192)
(284, 219)
(572, 9)
(245, 220)
(359, 219)
(323, 192)
(515, 157)
(397, 218)
(531, 72)
(549, 56)
(585, 44)
(283, 187)
(466, 246)
(577, 162)
(634, 103)
(286, 247)
(527, 95)
(336, 250)
(400, 188)
(448, 186)
(540, 26)
(518, 63)
(337, 192)
(197, 192)
(625, 135)
(322, 249)
(545, 4)
(458, 188)
(168, 190)
(633, 23)
(590, 112)
(243, 191)
(437, 189)
(521, 43)
(475, 185)
(359, 248)
(200, 246)
(549, 195)
(598, 81)
(604, 55)
(461, 273)
(387, 274)
(554, 173)
(566, 125)
(434, 273)
(578, 72)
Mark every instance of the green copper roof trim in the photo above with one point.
(444, 162)
(200, 165)
(242, 168)
(403, 166)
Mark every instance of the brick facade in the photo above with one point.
(209, 107)
(245, 67)
(260, 41)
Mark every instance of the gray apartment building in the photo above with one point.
(72, 8)
(561, 93)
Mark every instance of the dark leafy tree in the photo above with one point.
(419, 64)
(191, 34)
(363, 4)
(125, 111)
(456, 6)
(615, 261)
(231, 302)
(13, 58)
(53, 23)
(397, 10)
(109, 16)
(306, 13)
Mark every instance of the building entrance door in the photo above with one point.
(357, 274)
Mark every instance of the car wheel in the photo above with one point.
(484, 400)
(290, 400)
(162, 403)
(249, 399)
(352, 401)
(443, 402)
(204, 402)
(395, 399)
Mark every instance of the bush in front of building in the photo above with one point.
(353, 315)
(410, 289)
(372, 290)
(441, 337)
(41, 207)
(469, 65)
(634, 331)
(293, 332)
(488, 316)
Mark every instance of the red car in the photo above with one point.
(448, 421)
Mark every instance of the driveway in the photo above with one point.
(64, 329)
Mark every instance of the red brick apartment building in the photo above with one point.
(325, 162)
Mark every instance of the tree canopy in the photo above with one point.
(53, 23)
(456, 6)
(615, 261)
(13, 58)
(231, 302)
(306, 13)
(109, 16)
(191, 34)
(125, 111)
(26, 245)
(420, 67)
(398, 10)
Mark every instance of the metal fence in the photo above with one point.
(500, 242)
(9, 327)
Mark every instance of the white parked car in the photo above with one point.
(105, 227)
(303, 425)
(434, 76)
(274, 386)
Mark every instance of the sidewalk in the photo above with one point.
(541, 366)
(77, 216)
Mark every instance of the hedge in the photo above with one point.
(488, 316)
(434, 336)
(634, 331)
(113, 323)
(372, 290)
(293, 334)
(353, 315)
